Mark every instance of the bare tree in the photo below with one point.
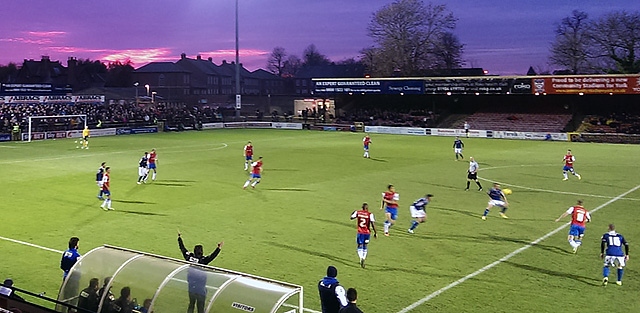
(275, 63)
(291, 66)
(448, 51)
(572, 44)
(311, 56)
(616, 37)
(405, 33)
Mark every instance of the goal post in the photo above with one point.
(33, 122)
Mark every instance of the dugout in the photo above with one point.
(167, 283)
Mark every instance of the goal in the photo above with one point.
(53, 126)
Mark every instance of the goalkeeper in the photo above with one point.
(85, 137)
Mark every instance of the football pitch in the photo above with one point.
(296, 222)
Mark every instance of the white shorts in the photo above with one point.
(457, 150)
(415, 213)
(499, 203)
(142, 171)
(611, 260)
(100, 183)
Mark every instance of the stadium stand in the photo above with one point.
(517, 121)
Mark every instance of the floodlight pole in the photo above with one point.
(238, 93)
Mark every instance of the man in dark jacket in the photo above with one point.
(88, 298)
(197, 278)
(123, 304)
(352, 296)
(332, 295)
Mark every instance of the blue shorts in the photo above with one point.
(567, 168)
(248, 158)
(106, 192)
(363, 239)
(576, 230)
(393, 212)
(152, 165)
(366, 147)
(255, 175)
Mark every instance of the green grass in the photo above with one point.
(296, 222)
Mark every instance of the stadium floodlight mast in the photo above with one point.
(238, 93)
(32, 118)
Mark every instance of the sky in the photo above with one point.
(504, 37)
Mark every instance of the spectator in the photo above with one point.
(332, 295)
(88, 298)
(7, 290)
(108, 298)
(146, 305)
(124, 303)
(197, 278)
(352, 296)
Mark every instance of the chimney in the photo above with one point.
(199, 57)
(183, 56)
(210, 59)
(224, 62)
(71, 71)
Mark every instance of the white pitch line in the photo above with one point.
(507, 257)
(556, 191)
(30, 244)
(60, 252)
(543, 190)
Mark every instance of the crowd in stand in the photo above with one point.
(621, 123)
(378, 117)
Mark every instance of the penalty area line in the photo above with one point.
(508, 256)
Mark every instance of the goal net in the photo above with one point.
(54, 127)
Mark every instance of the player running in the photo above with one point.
(612, 242)
(497, 198)
(472, 174)
(365, 221)
(85, 137)
(579, 216)
(390, 203)
(106, 189)
(256, 174)
(568, 166)
(457, 148)
(143, 170)
(366, 141)
(248, 155)
(153, 158)
(99, 175)
(419, 211)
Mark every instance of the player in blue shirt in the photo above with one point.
(70, 257)
(457, 148)
(497, 198)
(99, 174)
(419, 211)
(611, 252)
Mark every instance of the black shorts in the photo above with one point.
(473, 176)
(85, 138)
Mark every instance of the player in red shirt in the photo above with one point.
(256, 174)
(390, 203)
(568, 166)
(579, 217)
(365, 220)
(153, 158)
(106, 189)
(248, 155)
(365, 142)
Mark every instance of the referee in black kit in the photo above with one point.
(197, 278)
